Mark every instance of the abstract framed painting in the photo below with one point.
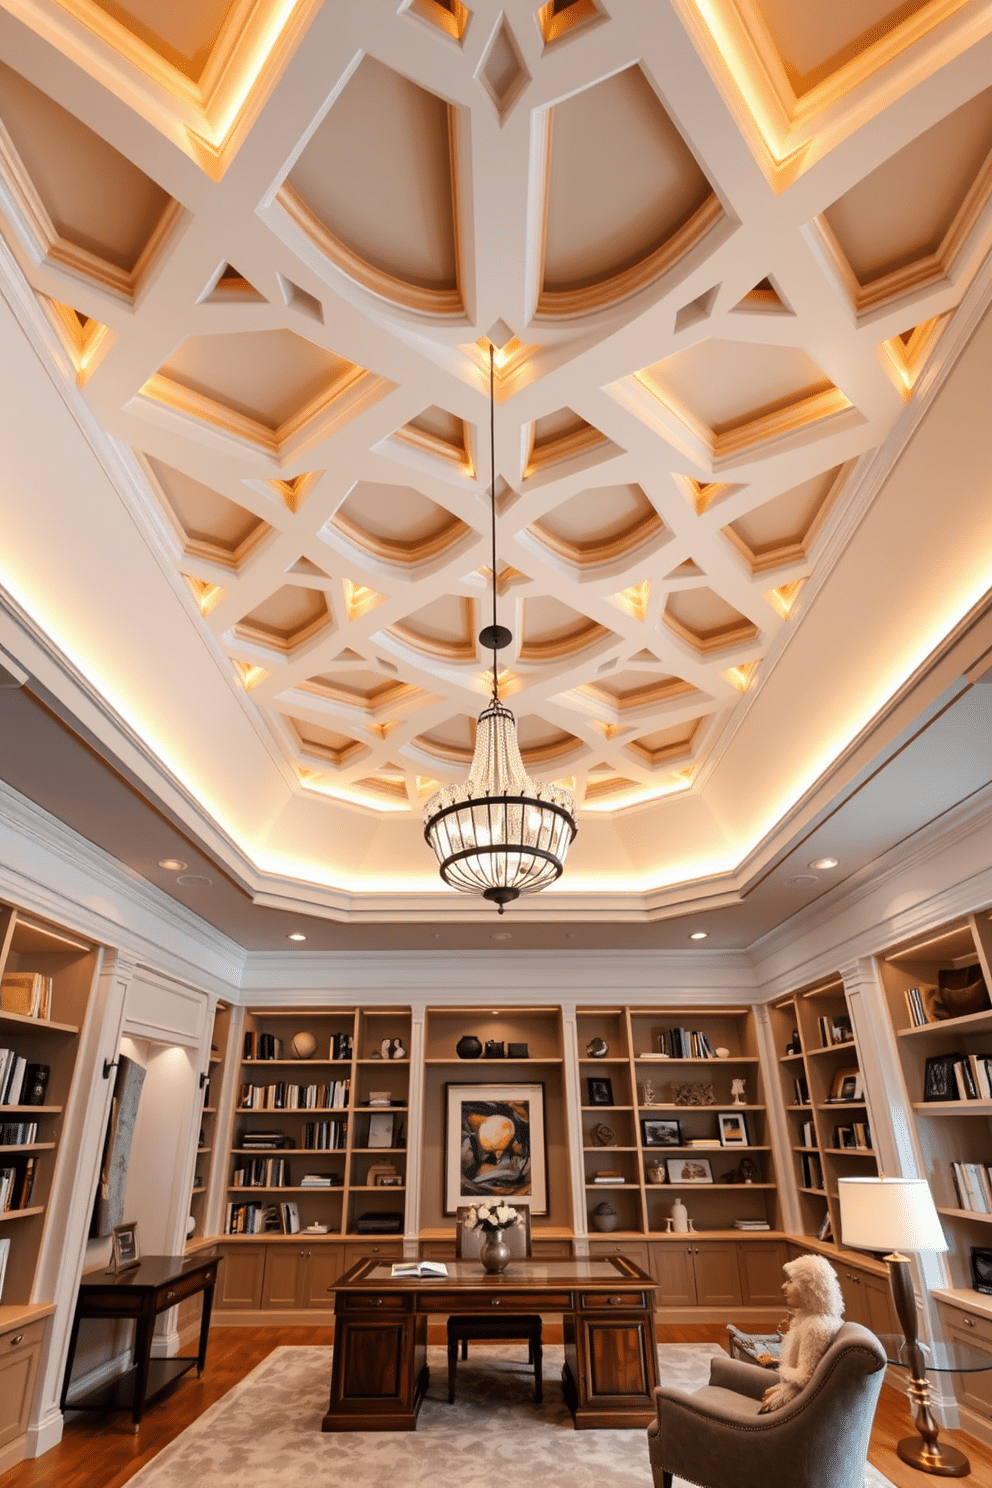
(495, 1146)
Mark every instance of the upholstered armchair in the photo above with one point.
(716, 1437)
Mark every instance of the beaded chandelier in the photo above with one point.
(499, 833)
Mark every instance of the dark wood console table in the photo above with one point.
(150, 1288)
(379, 1374)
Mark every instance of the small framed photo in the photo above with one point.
(380, 1130)
(600, 1091)
(689, 1170)
(733, 1129)
(846, 1085)
(661, 1133)
(126, 1252)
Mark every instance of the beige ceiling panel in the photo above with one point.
(707, 621)
(451, 743)
(267, 376)
(648, 214)
(440, 436)
(287, 619)
(385, 216)
(552, 629)
(327, 744)
(782, 530)
(541, 742)
(600, 525)
(663, 746)
(183, 32)
(886, 225)
(726, 384)
(445, 628)
(214, 527)
(396, 524)
(560, 436)
(815, 40)
(81, 203)
(370, 691)
(627, 691)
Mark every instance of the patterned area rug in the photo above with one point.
(267, 1431)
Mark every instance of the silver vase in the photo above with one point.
(494, 1253)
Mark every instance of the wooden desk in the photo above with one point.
(158, 1283)
(379, 1374)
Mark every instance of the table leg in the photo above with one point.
(143, 1353)
(208, 1302)
(73, 1340)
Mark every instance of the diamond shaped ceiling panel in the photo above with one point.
(699, 360)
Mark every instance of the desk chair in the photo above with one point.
(484, 1328)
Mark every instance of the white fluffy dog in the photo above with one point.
(816, 1311)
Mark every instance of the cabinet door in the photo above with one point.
(974, 1390)
(240, 1280)
(671, 1266)
(283, 1284)
(761, 1263)
(718, 1282)
(19, 1352)
(878, 1304)
(322, 1270)
(382, 1250)
(852, 1286)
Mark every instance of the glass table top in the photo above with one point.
(941, 1358)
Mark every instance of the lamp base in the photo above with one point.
(939, 1458)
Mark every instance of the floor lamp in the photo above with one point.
(898, 1215)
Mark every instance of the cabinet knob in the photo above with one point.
(614, 1301)
(688, 1250)
(376, 1301)
(302, 1254)
(968, 1322)
(495, 1301)
(17, 1338)
(169, 1296)
(697, 1249)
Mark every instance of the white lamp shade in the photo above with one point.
(889, 1214)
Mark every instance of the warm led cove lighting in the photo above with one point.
(699, 935)
(824, 863)
(174, 865)
(296, 935)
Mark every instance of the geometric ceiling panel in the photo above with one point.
(599, 525)
(286, 619)
(370, 691)
(707, 621)
(82, 203)
(725, 386)
(439, 435)
(664, 745)
(552, 630)
(647, 216)
(541, 742)
(782, 530)
(561, 436)
(451, 742)
(445, 628)
(891, 234)
(214, 527)
(396, 523)
(813, 42)
(327, 745)
(626, 691)
(182, 33)
(385, 216)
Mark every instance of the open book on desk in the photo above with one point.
(425, 1269)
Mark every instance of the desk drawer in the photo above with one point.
(974, 1324)
(188, 1286)
(612, 1301)
(459, 1302)
(375, 1301)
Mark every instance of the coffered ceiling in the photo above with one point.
(732, 255)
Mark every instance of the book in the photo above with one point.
(751, 1224)
(4, 1253)
(27, 993)
(290, 1215)
(424, 1269)
(704, 1142)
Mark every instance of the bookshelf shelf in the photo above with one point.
(36, 1025)
(10, 1214)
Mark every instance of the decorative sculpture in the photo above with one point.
(816, 1311)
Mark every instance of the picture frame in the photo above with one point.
(733, 1129)
(495, 1146)
(126, 1251)
(846, 1085)
(981, 1268)
(381, 1129)
(600, 1090)
(660, 1132)
(689, 1169)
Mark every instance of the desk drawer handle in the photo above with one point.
(494, 1301)
(18, 1338)
(169, 1296)
(968, 1322)
(614, 1301)
(376, 1301)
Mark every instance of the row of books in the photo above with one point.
(950, 1077)
(812, 1170)
(262, 1219)
(856, 1135)
(18, 1133)
(835, 1030)
(608, 1176)
(26, 992)
(751, 1224)
(17, 1184)
(685, 1043)
(807, 1134)
(973, 1182)
(802, 1091)
(321, 1180)
(21, 1083)
(282, 1096)
(266, 1141)
(260, 1172)
(916, 1004)
(325, 1136)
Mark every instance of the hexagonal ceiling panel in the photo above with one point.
(711, 306)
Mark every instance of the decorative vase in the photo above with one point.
(605, 1217)
(468, 1046)
(494, 1253)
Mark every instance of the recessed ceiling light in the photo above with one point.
(501, 935)
(174, 865)
(296, 935)
(824, 863)
(699, 935)
(803, 878)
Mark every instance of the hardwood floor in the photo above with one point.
(101, 1452)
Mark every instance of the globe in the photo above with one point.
(303, 1045)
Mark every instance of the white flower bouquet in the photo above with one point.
(492, 1218)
